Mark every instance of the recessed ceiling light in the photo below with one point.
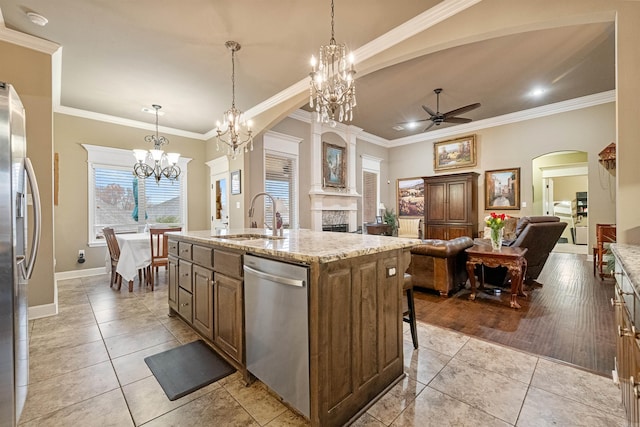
(398, 128)
(152, 111)
(538, 91)
(37, 19)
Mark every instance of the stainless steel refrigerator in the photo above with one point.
(17, 255)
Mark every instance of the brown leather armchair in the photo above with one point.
(440, 264)
(539, 234)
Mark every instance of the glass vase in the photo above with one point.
(496, 238)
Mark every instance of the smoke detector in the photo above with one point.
(37, 19)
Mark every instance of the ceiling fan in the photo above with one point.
(438, 118)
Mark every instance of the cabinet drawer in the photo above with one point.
(184, 250)
(202, 256)
(229, 263)
(172, 247)
(184, 275)
(185, 305)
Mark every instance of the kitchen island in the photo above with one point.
(354, 306)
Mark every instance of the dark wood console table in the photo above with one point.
(511, 258)
(380, 229)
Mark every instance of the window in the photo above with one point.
(280, 182)
(281, 177)
(126, 203)
(370, 188)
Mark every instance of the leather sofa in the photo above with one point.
(440, 264)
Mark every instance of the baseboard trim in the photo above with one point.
(74, 274)
(45, 310)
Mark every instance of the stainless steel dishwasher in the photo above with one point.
(277, 327)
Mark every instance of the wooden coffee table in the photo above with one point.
(511, 258)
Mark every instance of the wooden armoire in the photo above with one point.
(451, 206)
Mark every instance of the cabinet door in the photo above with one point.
(458, 231)
(436, 201)
(456, 206)
(436, 232)
(184, 275)
(185, 305)
(228, 327)
(173, 283)
(203, 301)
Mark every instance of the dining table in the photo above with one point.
(135, 254)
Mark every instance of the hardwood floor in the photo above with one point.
(568, 318)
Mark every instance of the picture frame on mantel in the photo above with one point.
(502, 189)
(455, 153)
(333, 165)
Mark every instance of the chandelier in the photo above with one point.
(234, 132)
(155, 162)
(332, 82)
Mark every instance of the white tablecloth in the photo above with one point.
(135, 253)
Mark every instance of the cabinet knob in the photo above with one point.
(184, 304)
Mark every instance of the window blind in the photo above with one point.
(125, 202)
(369, 196)
(280, 182)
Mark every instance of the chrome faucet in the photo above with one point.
(275, 228)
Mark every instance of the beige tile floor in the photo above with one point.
(87, 369)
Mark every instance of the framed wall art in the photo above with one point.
(502, 189)
(333, 165)
(410, 194)
(235, 182)
(455, 153)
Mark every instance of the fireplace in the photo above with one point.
(342, 228)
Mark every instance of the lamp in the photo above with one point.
(382, 208)
(234, 131)
(332, 83)
(163, 164)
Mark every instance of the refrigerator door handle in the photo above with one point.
(20, 263)
(37, 217)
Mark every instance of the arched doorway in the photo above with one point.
(561, 188)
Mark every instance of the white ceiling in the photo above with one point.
(121, 56)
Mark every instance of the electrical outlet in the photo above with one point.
(81, 253)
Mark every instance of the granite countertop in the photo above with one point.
(629, 255)
(301, 245)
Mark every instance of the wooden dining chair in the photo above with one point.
(159, 247)
(114, 254)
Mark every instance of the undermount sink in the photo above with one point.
(249, 237)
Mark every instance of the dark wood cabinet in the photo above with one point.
(228, 331)
(173, 282)
(355, 320)
(203, 301)
(356, 339)
(451, 206)
(206, 290)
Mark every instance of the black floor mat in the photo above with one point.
(187, 368)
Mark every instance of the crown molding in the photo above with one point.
(126, 122)
(26, 40)
(519, 116)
